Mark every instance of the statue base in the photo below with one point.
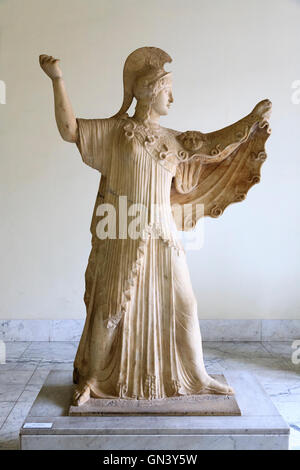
(187, 405)
(48, 426)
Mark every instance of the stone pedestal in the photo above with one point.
(188, 405)
(48, 425)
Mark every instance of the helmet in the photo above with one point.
(144, 75)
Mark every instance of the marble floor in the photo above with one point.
(28, 364)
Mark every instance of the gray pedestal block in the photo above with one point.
(48, 425)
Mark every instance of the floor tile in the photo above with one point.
(39, 376)
(29, 393)
(5, 409)
(10, 392)
(280, 349)
(55, 365)
(9, 432)
(15, 349)
(51, 351)
(289, 409)
(295, 437)
(15, 376)
(235, 356)
(280, 384)
(285, 351)
(9, 440)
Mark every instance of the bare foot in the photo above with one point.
(213, 386)
(81, 395)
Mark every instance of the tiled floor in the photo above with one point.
(28, 364)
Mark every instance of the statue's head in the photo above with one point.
(154, 91)
(146, 80)
(163, 100)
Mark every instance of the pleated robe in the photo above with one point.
(141, 337)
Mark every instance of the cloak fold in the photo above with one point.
(225, 165)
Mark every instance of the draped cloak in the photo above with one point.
(141, 337)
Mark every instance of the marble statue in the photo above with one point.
(141, 337)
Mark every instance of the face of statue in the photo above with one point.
(163, 101)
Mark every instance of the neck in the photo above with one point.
(150, 118)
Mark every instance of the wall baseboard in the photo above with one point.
(211, 330)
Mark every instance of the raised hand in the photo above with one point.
(65, 118)
(50, 65)
(263, 109)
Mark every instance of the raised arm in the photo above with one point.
(65, 119)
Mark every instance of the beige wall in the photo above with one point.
(227, 55)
